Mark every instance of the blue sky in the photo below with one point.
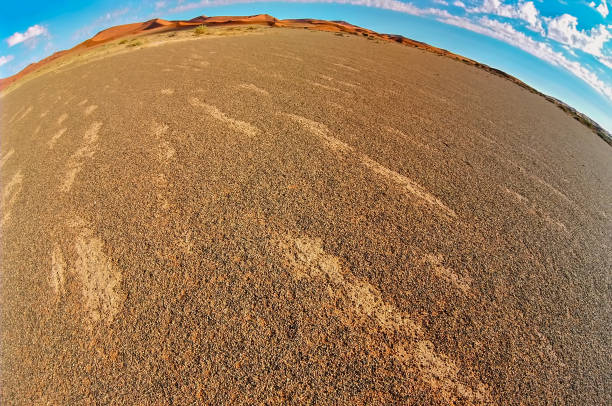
(560, 47)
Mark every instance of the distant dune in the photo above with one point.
(157, 25)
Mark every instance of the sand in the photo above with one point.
(300, 217)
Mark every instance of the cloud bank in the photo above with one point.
(6, 59)
(31, 32)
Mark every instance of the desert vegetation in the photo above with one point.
(200, 30)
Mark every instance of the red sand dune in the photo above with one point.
(160, 25)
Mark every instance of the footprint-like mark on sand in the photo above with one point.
(340, 106)
(69, 100)
(396, 132)
(99, 278)
(165, 153)
(165, 150)
(10, 193)
(83, 102)
(462, 283)
(58, 271)
(307, 260)
(25, 113)
(14, 116)
(167, 92)
(288, 56)
(536, 211)
(62, 118)
(90, 109)
(323, 133)
(55, 137)
(322, 86)
(340, 65)
(6, 157)
(239, 126)
(251, 87)
(342, 82)
(77, 160)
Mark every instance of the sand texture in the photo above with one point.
(299, 217)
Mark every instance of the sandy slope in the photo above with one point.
(300, 217)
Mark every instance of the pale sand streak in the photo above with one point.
(165, 150)
(55, 137)
(58, 270)
(90, 109)
(402, 134)
(25, 113)
(61, 118)
(323, 132)
(6, 157)
(535, 211)
(308, 260)
(331, 79)
(322, 86)
(241, 126)
(346, 67)
(100, 279)
(14, 116)
(10, 192)
(76, 160)
(460, 282)
(252, 87)
(287, 56)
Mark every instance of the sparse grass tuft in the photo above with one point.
(135, 43)
(172, 34)
(200, 29)
(123, 41)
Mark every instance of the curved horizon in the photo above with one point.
(491, 32)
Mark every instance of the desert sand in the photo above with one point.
(300, 217)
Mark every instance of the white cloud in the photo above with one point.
(393, 5)
(606, 60)
(6, 59)
(113, 15)
(160, 4)
(564, 29)
(32, 32)
(505, 32)
(459, 4)
(523, 10)
(570, 51)
(601, 9)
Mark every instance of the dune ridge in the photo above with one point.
(157, 25)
